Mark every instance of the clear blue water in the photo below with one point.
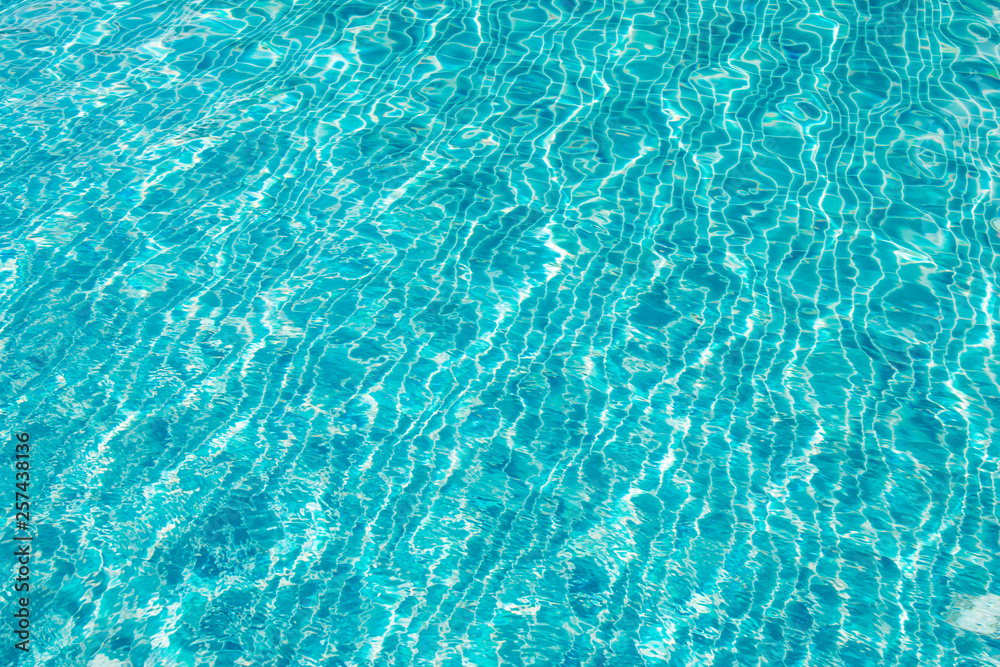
(503, 333)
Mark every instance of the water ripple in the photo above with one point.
(578, 333)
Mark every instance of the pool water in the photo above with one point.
(463, 333)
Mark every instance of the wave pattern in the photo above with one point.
(505, 333)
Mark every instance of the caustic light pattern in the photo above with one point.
(624, 333)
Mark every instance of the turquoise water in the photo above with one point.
(503, 333)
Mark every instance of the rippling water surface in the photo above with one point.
(503, 333)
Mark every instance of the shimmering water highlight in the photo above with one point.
(503, 333)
